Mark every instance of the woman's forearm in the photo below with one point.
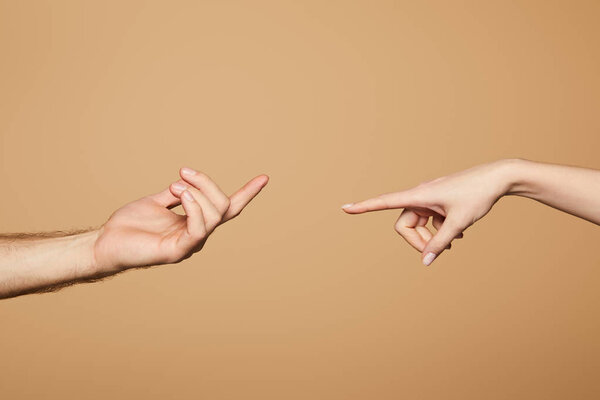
(455, 202)
(570, 189)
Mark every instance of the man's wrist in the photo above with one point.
(83, 245)
(74, 250)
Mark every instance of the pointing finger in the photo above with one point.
(382, 202)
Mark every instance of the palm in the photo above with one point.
(139, 234)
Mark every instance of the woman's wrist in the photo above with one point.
(512, 176)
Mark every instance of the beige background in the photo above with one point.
(101, 102)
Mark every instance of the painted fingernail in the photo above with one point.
(179, 187)
(428, 259)
(347, 206)
(188, 196)
(188, 171)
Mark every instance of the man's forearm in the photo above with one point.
(570, 189)
(44, 262)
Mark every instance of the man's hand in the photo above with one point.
(146, 232)
(143, 233)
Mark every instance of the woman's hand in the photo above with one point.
(453, 203)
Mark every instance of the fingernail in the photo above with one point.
(428, 259)
(188, 171)
(188, 196)
(179, 187)
(347, 205)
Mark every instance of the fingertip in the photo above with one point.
(262, 180)
(346, 207)
(177, 188)
(187, 171)
(429, 258)
(186, 195)
(351, 208)
(257, 183)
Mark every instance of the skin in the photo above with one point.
(455, 202)
(140, 234)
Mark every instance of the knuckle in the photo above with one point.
(224, 204)
(235, 211)
(455, 221)
(198, 235)
(213, 222)
(398, 227)
(176, 256)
